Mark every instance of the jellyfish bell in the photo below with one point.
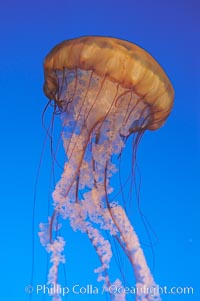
(106, 89)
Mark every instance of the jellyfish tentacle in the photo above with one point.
(79, 111)
(71, 99)
(144, 279)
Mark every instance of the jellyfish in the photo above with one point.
(105, 90)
